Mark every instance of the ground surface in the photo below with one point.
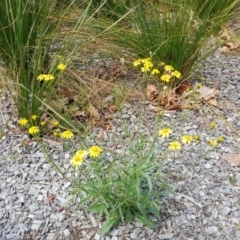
(205, 205)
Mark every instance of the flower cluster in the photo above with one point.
(33, 129)
(78, 158)
(168, 72)
(187, 139)
(45, 77)
(176, 145)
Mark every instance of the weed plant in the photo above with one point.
(29, 32)
(175, 32)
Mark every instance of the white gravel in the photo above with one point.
(205, 206)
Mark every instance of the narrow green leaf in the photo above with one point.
(96, 207)
(110, 222)
(150, 186)
(153, 208)
(129, 216)
(146, 221)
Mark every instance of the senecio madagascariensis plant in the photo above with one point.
(169, 73)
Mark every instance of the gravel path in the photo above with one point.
(205, 206)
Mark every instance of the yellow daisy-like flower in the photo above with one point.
(41, 77)
(66, 134)
(42, 123)
(61, 66)
(34, 117)
(82, 153)
(59, 57)
(23, 121)
(155, 71)
(220, 139)
(213, 143)
(95, 151)
(143, 69)
(168, 68)
(48, 77)
(56, 133)
(213, 125)
(198, 85)
(174, 146)
(165, 132)
(176, 74)
(77, 160)
(165, 77)
(33, 130)
(137, 62)
(148, 64)
(55, 123)
(186, 139)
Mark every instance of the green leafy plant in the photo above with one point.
(174, 32)
(29, 31)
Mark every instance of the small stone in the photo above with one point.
(225, 210)
(165, 236)
(211, 230)
(207, 165)
(66, 232)
(23, 228)
(201, 237)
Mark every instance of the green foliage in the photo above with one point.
(122, 189)
(175, 32)
(29, 29)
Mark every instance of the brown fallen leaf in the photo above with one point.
(206, 93)
(50, 198)
(50, 141)
(152, 92)
(213, 102)
(232, 158)
(100, 134)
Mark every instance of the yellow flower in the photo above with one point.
(143, 69)
(137, 62)
(165, 132)
(213, 143)
(82, 153)
(168, 68)
(163, 64)
(66, 134)
(48, 77)
(148, 64)
(59, 57)
(55, 123)
(174, 146)
(41, 77)
(23, 121)
(61, 66)
(220, 139)
(198, 85)
(196, 137)
(42, 123)
(34, 117)
(165, 77)
(176, 74)
(94, 151)
(155, 71)
(77, 160)
(213, 125)
(33, 130)
(56, 133)
(187, 139)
